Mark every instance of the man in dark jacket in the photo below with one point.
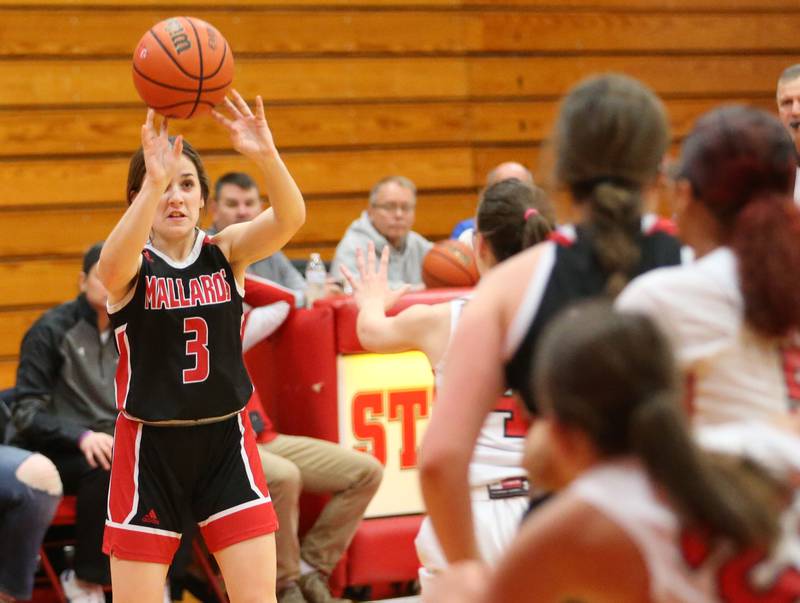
(65, 409)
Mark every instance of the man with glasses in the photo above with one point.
(387, 221)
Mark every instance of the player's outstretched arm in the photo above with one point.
(121, 255)
(420, 327)
(251, 241)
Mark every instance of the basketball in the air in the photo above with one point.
(449, 263)
(182, 67)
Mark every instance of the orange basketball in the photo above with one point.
(449, 264)
(182, 67)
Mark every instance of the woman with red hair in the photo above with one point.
(733, 315)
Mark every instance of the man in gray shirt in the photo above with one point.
(387, 221)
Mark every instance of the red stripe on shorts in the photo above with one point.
(122, 380)
(251, 454)
(123, 497)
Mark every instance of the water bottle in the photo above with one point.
(316, 275)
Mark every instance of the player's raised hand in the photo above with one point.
(372, 282)
(250, 134)
(161, 158)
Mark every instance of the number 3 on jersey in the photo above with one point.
(197, 346)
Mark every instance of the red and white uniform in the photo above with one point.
(499, 484)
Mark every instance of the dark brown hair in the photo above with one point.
(137, 171)
(740, 163)
(627, 401)
(505, 222)
(610, 138)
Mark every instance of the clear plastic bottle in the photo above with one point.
(316, 275)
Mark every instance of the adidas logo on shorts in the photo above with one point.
(151, 517)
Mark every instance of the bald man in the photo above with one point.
(504, 171)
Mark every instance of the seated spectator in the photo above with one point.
(29, 493)
(294, 464)
(505, 171)
(65, 409)
(387, 221)
(236, 200)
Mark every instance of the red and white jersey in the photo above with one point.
(498, 450)
(738, 375)
(684, 566)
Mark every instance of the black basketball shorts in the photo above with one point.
(159, 471)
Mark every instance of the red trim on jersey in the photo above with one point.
(122, 379)
(664, 225)
(139, 546)
(239, 526)
(560, 238)
(122, 494)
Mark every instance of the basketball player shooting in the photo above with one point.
(175, 301)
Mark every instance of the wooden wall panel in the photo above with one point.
(13, 325)
(100, 82)
(672, 76)
(39, 281)
(330, 125)
(8, 372)
(438, 90)
(625, 5)
(68, 232)
(103, 180)
(115, 32)
(116, 131)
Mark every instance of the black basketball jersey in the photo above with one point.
(570, 272)
(179, 339)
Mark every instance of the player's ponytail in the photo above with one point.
(610, 137)
(712, 493)
(627, 401)
(766, 240)
(615, 214)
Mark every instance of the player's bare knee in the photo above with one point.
(39, 472)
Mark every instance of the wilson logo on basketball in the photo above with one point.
(211, 36)
(177, 35)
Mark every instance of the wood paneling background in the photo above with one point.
(438, 90)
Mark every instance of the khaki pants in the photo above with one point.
(294, 464)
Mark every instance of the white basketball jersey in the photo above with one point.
(683, 566)
(738, 374)
(498, 451)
